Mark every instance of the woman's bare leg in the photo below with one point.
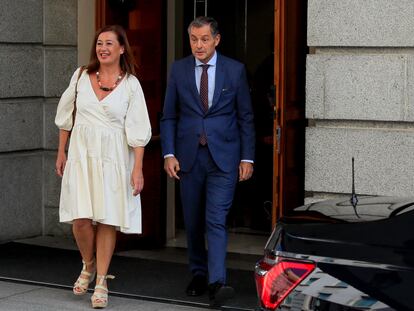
(105, 245)
(84, 233)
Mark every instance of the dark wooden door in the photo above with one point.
(269, 37)
(144, 22)
(289, 122)
(247, 34)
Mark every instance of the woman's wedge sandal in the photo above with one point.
(99, 298)
(81, 285)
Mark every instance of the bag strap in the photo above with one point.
(82, 68)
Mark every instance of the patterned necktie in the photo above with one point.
(204, 98)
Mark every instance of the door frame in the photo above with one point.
(278, 124)
(289, 108)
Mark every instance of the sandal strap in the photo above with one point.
(87, 263)
(85, 277)
(100, 296)
(86, 273)
(102, 288)
(82, 282)
(105, 277)
(102, 278)
(103, 294)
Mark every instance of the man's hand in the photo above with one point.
(172, 167)
(245, 171)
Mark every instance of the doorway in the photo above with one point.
(269, 37)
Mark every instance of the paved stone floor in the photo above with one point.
(15, 296)
(22, 297)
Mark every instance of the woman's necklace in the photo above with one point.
(105, 88)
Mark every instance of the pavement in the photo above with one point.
(17, 296)
(22, 295)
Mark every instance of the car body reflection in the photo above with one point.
(362, 256)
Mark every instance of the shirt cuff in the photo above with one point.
(248, 161)
(169, 155)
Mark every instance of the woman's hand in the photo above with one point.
(60, 163)
(137, 181)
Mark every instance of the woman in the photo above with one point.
(102, 175)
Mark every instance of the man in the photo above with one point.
(208, 139)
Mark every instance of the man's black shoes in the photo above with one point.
(197, 286)
(219, 294)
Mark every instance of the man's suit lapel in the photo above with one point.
(219, 80)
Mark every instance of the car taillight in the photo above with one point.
(275, 279)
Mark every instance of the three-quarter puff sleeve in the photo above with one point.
(137, 123)
(63, 119)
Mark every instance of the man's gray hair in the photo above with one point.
(204, 21)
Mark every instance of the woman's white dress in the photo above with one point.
(96, 179)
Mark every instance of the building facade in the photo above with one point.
(360, 97)
(38, 53)
(359, 100)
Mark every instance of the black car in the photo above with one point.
(341, 255)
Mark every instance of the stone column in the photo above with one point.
(360, 97)
(37, 57)
(60, 62)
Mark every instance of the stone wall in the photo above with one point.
(360, 97)
(38, 54)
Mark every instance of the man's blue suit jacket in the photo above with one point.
(228, 123)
